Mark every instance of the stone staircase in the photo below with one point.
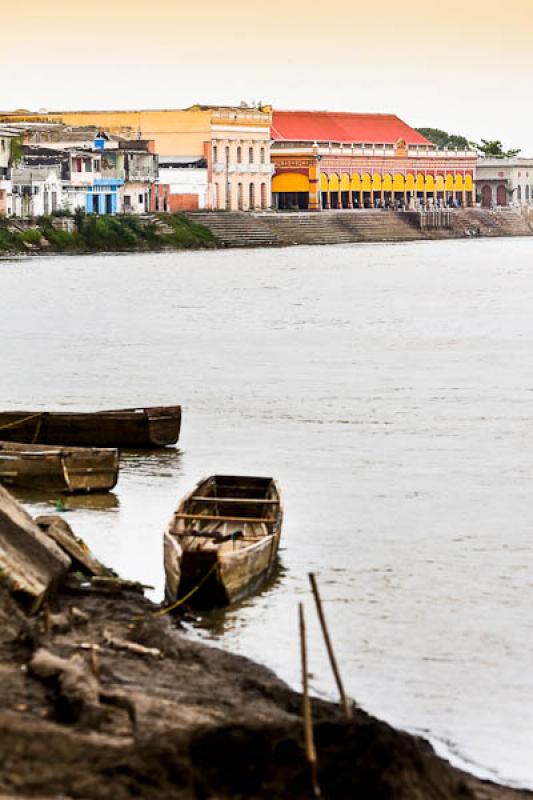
(263, 229)
(486, 222)
(160, 225)
(268, 228)
(237, 229)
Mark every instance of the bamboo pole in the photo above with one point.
(333, 661)
(310, 751)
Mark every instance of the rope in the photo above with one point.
(188, 595)
(37, 429)
(20, 421)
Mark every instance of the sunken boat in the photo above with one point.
(61, 469)
(223, 540)
(134, 428)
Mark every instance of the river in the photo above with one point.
(389, 389)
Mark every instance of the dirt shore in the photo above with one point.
(87, 713)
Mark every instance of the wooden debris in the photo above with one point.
(82, 559)
(310, 751)
(329, 647)
(131, 647)
(30, 562)
(118, 584)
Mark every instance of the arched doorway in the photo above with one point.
(290, 190)
(240, 200)
(252, 196)
(486, 196)
(501, 195)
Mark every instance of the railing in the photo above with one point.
(435, 218)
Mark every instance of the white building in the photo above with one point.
(186, 181)
(36, 191)
(505, 182)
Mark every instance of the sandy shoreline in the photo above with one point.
(190, 722)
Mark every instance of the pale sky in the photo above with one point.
(462, 65)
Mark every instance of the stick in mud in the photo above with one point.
(310, 751)
(333, 661)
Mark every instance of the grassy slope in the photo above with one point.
(107, 234)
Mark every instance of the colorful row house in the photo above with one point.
(66, 169)
(325, 160)
(212, 157)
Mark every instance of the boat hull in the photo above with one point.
(128, 428)
(212, 577)
(59, 469)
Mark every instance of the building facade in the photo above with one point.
(185, 179)
(238, 156)
(505, 182)
(234, 142)
(326, 160)
(6, 197)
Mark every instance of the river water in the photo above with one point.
(389, 389)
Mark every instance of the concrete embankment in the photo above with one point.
(267, 229)
(101, 696)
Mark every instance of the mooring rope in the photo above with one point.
(182, 600)
(21, 421)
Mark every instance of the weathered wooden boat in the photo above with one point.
(133, 428)
(62, 469)
(223, 540)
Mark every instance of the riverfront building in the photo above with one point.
(505, 182)
(231, 142)
(328, 160)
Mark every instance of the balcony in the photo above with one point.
(142, 175)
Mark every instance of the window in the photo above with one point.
(262, 155)
(227, 155)
(251, 155)
(3, 144)
(252, 196)
(215, 153)
(239, 155)
(141, 198)
(519, 193)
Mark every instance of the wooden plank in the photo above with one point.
(233, 500)
(82, 559)
(30, 562)
(215, 518)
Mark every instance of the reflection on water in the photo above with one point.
(389, 390)
(162, 463)
(92, 501)
(214, 624)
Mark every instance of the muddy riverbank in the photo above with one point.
(85, 711)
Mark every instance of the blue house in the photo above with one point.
(103, 197)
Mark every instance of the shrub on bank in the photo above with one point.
(107, 234)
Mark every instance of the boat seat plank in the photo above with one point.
(221, 518)
(247, 500)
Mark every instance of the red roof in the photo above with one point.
(333, 126)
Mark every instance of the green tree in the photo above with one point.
(444, 139)
(16, 150)
(493, 149)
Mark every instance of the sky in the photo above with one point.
(462, 65)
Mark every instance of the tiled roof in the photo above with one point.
(332, 126)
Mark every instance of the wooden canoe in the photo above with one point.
(62, 469)
(134, 428)
(225, 535)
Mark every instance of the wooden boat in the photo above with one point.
(62, 469)
(225, 536)
(130, 427)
